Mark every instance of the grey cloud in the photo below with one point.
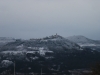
(39, 18)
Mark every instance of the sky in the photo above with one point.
(39, 18)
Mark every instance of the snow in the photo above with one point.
(37, 48)
(34, 57)
(54, 39)
(18, 52)
(32, 52)
(83, 41)
(41, 48)
(88, 44)
(6, 63)
(79, 39)
(12, 52)
(20, 46)
(6, 40)
(49, 57)
(41, 51)
(44, 40)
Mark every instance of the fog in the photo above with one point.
(39, 18)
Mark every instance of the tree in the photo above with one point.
(96, 69)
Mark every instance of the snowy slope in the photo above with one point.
(54, 42)
(83, 41)
(5, 40)
(59, 41)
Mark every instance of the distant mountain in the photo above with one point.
(5, 40)
(59, 41)
(83, 41)
(54, 42)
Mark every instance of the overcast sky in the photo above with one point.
(39, 18)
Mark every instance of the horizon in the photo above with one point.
(46, 36)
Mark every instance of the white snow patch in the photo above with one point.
(6, 63)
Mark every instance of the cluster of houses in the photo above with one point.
(41, 50)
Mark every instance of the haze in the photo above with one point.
(39, 18)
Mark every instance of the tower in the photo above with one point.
(56, 35)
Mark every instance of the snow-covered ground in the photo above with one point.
(83, 41)
(5, 40)
(17, 52)
(6, 63)
(79, 39)
(88, 44)
(41, 51)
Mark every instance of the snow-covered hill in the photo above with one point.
(83, 41)
(5, 40)
(51, 43)
(50, 53)
(59, 41)
(33, 49)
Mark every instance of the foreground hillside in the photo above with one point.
(53, 54)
